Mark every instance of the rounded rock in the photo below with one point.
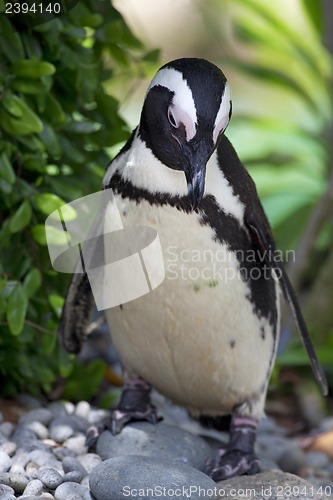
(40, 457)
(89, 461)
(77, 444)
(61, 453)
(65, 490)
(61, 431)
(39, 429)
(317, 459)
(73, 476)
(82, 409)
(58, 409)
(16, 481)
(41, 415)
(5, 462)
(9, 447)
(50, 478)
(116, 477)
(7, 428)
(292, 459)
(34, 488)
(158, 441)
(71, 464)
(6, 490)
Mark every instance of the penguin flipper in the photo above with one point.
(263, 241)
(76, 313)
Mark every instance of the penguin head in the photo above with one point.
(185, 112)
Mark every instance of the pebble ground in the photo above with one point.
(44, 455)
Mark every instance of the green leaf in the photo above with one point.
(29, 86)
(16, 309)
(56, 302)
(6, 170)
(12, 104)
(32, 282)
(21, 217)
(53, 109)
(48, 202)
(54, 236)
(27, 124)
(50, 139)
(32, 68)
(314, 9)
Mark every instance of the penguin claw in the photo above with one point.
(119, 418)
(234, 463)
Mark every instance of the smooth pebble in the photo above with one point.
(5, 462)
(64, 491)
(116, 477)
(34, 487)
(163, 441)
(50, 478)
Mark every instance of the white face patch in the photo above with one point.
(222, 117)
(183, 108)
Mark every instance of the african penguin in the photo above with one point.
(207, 336)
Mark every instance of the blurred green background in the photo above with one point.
(71, 90)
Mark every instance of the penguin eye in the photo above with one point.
(172, 119)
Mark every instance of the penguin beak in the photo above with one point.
(196, 156)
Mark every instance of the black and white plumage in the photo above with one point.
(207, 343)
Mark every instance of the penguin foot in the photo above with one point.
(134, 405)
(235, 463)
(238, 457)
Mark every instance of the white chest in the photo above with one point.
(196, 330)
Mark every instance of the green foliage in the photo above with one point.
(56, 125)
(280, 73)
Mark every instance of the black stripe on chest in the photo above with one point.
(254, 271)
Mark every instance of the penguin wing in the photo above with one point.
(261, 238)
(76, 313)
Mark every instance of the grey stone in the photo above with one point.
(61, 431)
(34, 487)
(50, 478)
(96, 415)
(89, 461)
(316, 459)
(74, 476)
(266, 486)
(58, 409)
(77, 444)
(40, 457)
(65, 490)
(269, 425)
(292, 459)
(32, 470)
(159, 441)
(6, 428)
(82, 409)
(61, 453)
(39, 429)
(71, 464)
(29, 497)
(24, 438)
(42, 415)
(5, 462)
(47, 495)
(8, 497)
(119, 477)
(17, 469)
(6, 490)
(16, 481)
(21, 457)
(9, 447)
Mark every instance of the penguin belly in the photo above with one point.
(196, 337)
